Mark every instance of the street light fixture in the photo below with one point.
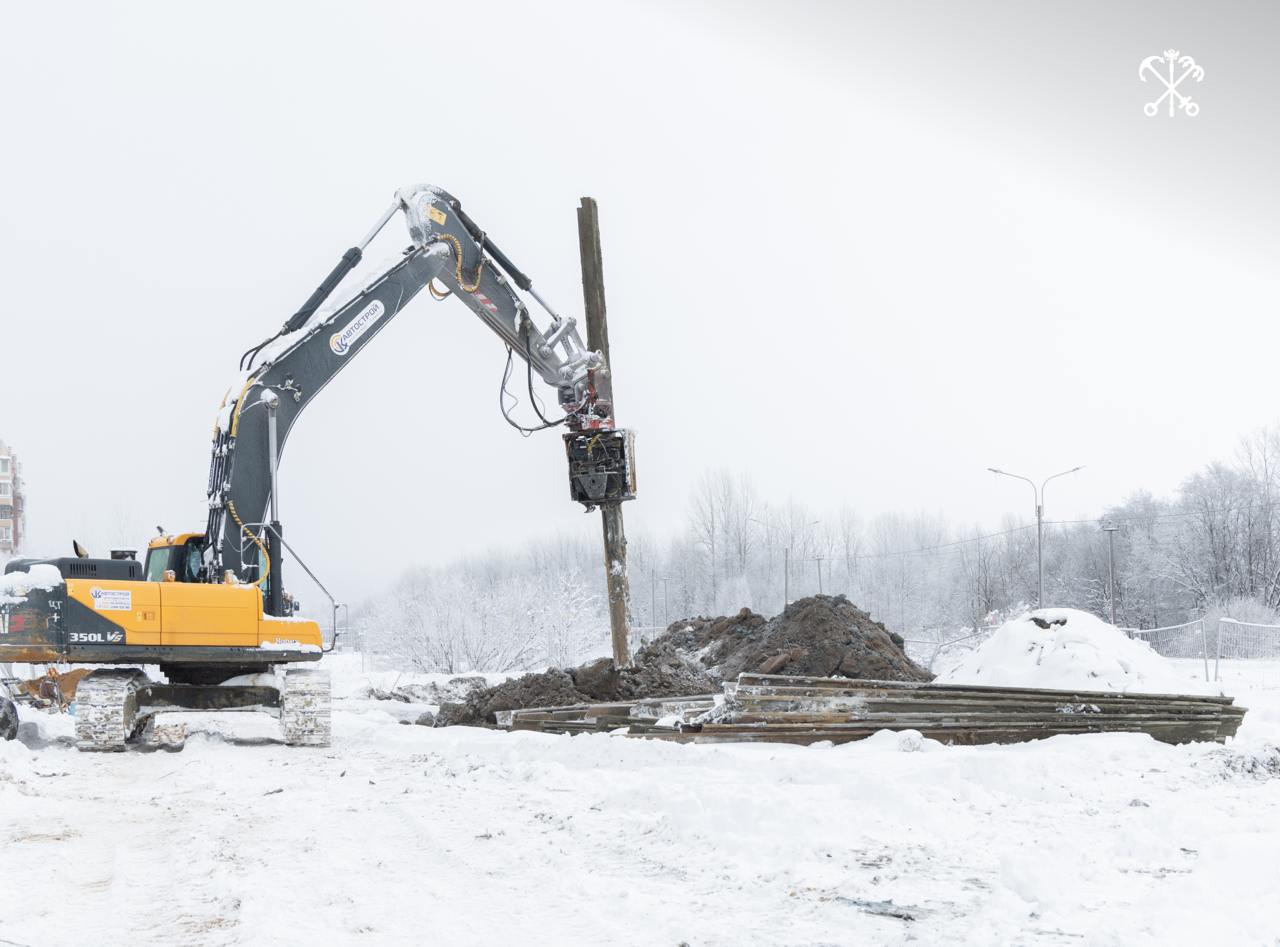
(654, 579)
(1039, 495)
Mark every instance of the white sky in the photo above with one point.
(864, 250)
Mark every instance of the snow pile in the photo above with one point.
(1067, 649)
(14, 586)
(15, 762)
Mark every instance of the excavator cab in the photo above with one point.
(183, 555)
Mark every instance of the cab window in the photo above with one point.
(158, 562)
(194, 562)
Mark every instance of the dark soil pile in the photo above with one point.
(821, 636)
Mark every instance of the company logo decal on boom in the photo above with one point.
(341, 342)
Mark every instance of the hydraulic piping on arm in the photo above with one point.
(284, 372)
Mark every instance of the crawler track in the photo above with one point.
(107, 709)
(305, 708)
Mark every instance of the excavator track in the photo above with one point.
(107, 709)
(305, 708)
(8, 717)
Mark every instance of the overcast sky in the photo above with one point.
(862, 250)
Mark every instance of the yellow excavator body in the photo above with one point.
(177, 614)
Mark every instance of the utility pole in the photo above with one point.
(714, 596)
(819, 561)
(615, 539)
(1110, 530)
(1039, 495)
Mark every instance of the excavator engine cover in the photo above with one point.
(122, 569)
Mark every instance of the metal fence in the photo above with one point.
(1246, 640)
(1187, 640)
(927, 652)
(1227, 640)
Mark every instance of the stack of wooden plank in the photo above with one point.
(659, 715)
(780, 709)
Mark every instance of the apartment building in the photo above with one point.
(12, 515)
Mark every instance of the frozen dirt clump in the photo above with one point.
(551, 688)
(711, 641)
(819, 636)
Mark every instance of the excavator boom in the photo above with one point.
(292, 367)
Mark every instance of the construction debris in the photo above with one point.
(53, 687)
(804, 710)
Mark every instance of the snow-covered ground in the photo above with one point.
(407, 835)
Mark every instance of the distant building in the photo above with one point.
(12, 514)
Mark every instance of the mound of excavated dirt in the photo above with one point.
(827, 636)
(821, 636)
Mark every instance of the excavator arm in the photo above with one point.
(283, 374)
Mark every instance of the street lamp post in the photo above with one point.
(1039, 495)
(1110, 530)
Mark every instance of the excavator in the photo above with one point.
(210, 608)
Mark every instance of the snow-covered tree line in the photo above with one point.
(1212, 548)
(490, 614)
